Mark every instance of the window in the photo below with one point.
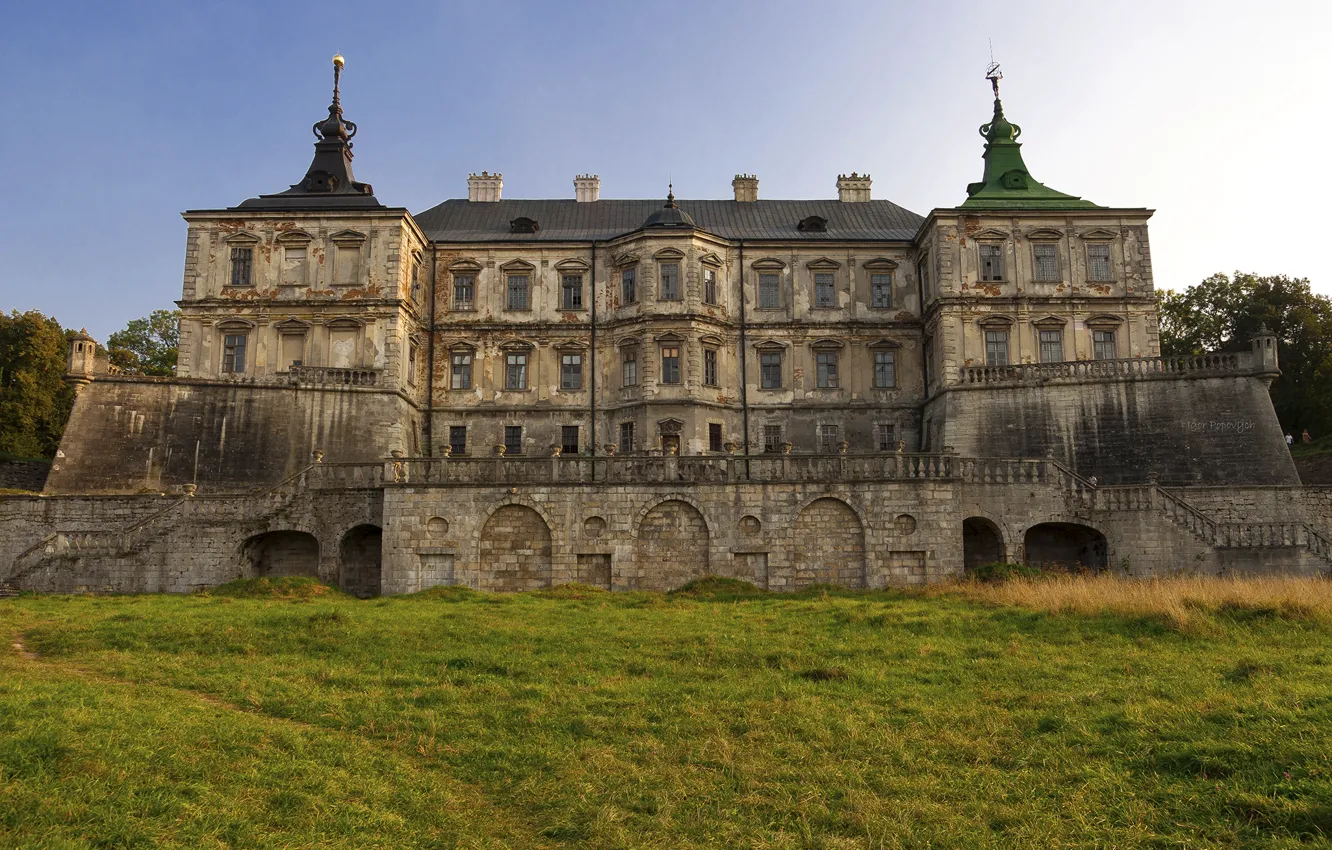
(347, 265)
(881, 291)
(293, 265)
(1047, 261)
(825, 292)
(670, 282)
(342, 338)
(241, 261)
(462, 371)
(770, 370)
(571, 291)
(709, 286)
(830, 438)
(513, 439)
(887, 434)
(1103, 345)
(992, 262)
(569, 440)
(670, 364)
(885, 369)
(411, 364)
(464, 289)
(1098, 261)
(629, 369)
(233, 353)
(515, 372)
(715, 437)
(710, 367)
(1052, 346)
(629, 286)
(825, 370)
(519, 284)
(770, 296)
(626, 437)
(571, 372)
(927, 360)
(293, 347)
(458, 439)
(772, 439)
(923, 269)
(996, 348)
(416, 281)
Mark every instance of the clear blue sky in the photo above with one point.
(116, 117)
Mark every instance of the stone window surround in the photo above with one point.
(462, 349)
(570, 347)
(347, 323)
(1050, 323)
(827, 346)
(774, 266)
(997, 238)
(1104, 322)
(677, 342)
(240, 240)
(713, 344)
(295, 240)
(570, 268)
(463, 268)
(1100, 236)
(664, 257)
(823, 265)
(1047, 236)
(516, 268)
(1003, 324)
(881, 265)
(291, 328)
(710, 262)
(517, 347)
(630, 348)
(771, 347)
(349, 241)
(235, 327)
(884, 345)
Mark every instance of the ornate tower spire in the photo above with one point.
(1007, 183)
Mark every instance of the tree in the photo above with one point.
(147, 346)
(34, 399)
(1223, 313)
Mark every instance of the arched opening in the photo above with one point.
(829, 545)
(515, 550)
(981, 543)
(671, 549)
(1065, 545)
(280, 553)
(361, 561)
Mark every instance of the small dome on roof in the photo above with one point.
(669, 215)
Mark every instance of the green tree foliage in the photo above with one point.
(1223, 313)
(147, 346)
(34, 399)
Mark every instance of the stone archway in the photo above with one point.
(360, 565)
(671, 546)
(280, 553)
(515, 550)
(982, 543)
(828, 545)
(1065, 545)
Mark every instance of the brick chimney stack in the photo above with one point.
(854, 188)
(485, 187)
(587, 188)
(746, 187)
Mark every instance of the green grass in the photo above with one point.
(717, 717)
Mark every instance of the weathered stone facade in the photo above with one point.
(515, 394)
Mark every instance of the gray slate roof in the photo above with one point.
(566, 219)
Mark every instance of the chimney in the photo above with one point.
(853, 189)
(746, 187)
(587, 187)
(485, 187)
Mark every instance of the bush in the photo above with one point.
(717, 587)
(284, 587)
(998, 571)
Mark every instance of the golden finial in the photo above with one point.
(338, 61)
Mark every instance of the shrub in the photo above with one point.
(998, 571)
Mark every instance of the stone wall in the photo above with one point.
(1185, 432)
(140, 435)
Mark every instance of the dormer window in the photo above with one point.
(813, 224)
(523, 224)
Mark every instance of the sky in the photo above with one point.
(116, 117)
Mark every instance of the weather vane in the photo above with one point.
(992, 72)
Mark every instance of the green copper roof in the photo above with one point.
(1007, 183)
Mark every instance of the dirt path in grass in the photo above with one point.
(509, 824)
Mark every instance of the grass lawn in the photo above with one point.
(1018, 716)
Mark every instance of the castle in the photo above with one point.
(510, 394)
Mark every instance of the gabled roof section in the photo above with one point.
(564, 220)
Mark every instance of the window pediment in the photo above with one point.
(711, 340)
(462, 347)
(826, 344)
(347, 238)
(769, 345)
(669, 254)
(670, 426)
(880, 264)
(1045, 234)
(997, 323)
(1104, 320)
(768, 264)
(884, 344)
(711, 259)
(516, 345)
(669, 336)
(465, 266)
(417, 339)
(345, 323)
(620, 261)
(235, 325)
(630, 342)
(241, 239)
(517, 266)
(823, 264)
(570, 345)
(1050, 323)
(572, 266)
(1098, 234)
(990, 234)
(295, 238)
(292, 326)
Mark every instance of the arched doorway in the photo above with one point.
(515, 550)
(829, 545)
(280, 553)
(1065, 545)
(672, 547)
(981, 543)
(361, 561)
